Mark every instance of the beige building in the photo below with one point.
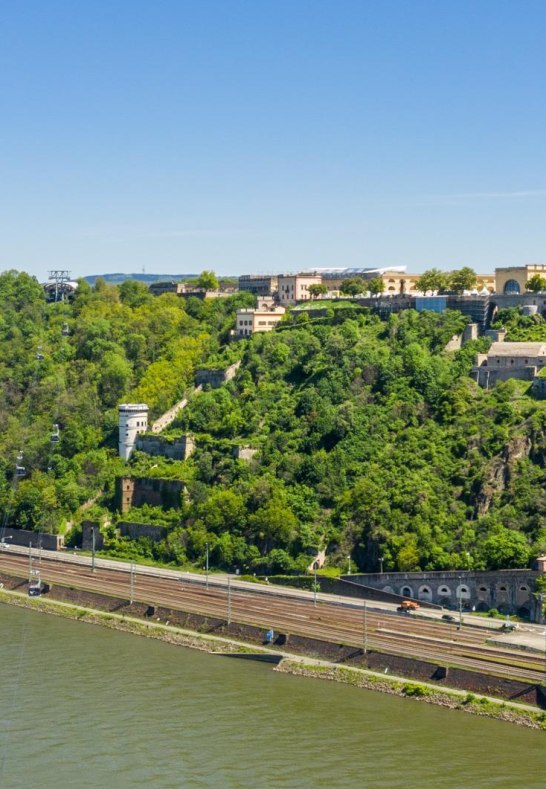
(395, 282)
(514, 354)
(486, 281)
(513, 280)
(295, 287)
(249, 321)
(504, 360)
(407, 283)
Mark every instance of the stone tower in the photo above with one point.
(133, 419)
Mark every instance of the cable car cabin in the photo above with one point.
(40, 357)
(65, 330)
(20, 471)
(55, 435)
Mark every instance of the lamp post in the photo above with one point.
(132, 584)
(381, 560)
(364, 630)
(229, 600)
(207, 566)
(92, 549)
(544, 634)
(349, 560)
(460, 605)
(315, 586)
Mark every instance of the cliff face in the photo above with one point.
(499, 472)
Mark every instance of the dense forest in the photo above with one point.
(372, 441)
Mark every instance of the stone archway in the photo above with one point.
(406, 591)
(424, 593)
(523, 594)
(463, 595)
(443, 594)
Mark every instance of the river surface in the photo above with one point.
(83, 706)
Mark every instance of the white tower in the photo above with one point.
(133, 419)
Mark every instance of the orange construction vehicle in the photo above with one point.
(408, 605)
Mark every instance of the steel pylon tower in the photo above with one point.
(61, 277)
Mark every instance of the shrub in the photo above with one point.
(412, 689)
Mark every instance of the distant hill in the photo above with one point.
(115, 279)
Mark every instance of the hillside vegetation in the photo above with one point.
(372, 442)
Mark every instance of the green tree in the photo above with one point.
(536, 284)
(505, 549)
(463, 279)
(353, 286)
(433, 280)
(207, 280)
(134, 293)
(115, 378)
(317, 290)
(376, 286)
(273, 525)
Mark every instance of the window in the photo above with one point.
(512, 287)
(262, 323)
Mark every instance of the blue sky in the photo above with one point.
(265, 135)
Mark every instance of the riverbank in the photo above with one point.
(297, 665)
(521, 715)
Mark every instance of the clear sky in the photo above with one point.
(264, 135)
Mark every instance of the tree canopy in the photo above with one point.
(370, 439)
(536, 284)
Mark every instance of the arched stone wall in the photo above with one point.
(510, 591)
(424, 593)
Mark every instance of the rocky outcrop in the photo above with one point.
(499, 471)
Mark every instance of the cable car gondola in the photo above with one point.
(20, 470)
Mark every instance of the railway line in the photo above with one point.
(351, 625)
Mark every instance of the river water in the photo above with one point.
(82, 706)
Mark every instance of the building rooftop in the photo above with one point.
(265, 311)
(517, 349)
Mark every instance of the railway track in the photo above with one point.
(433, 641)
